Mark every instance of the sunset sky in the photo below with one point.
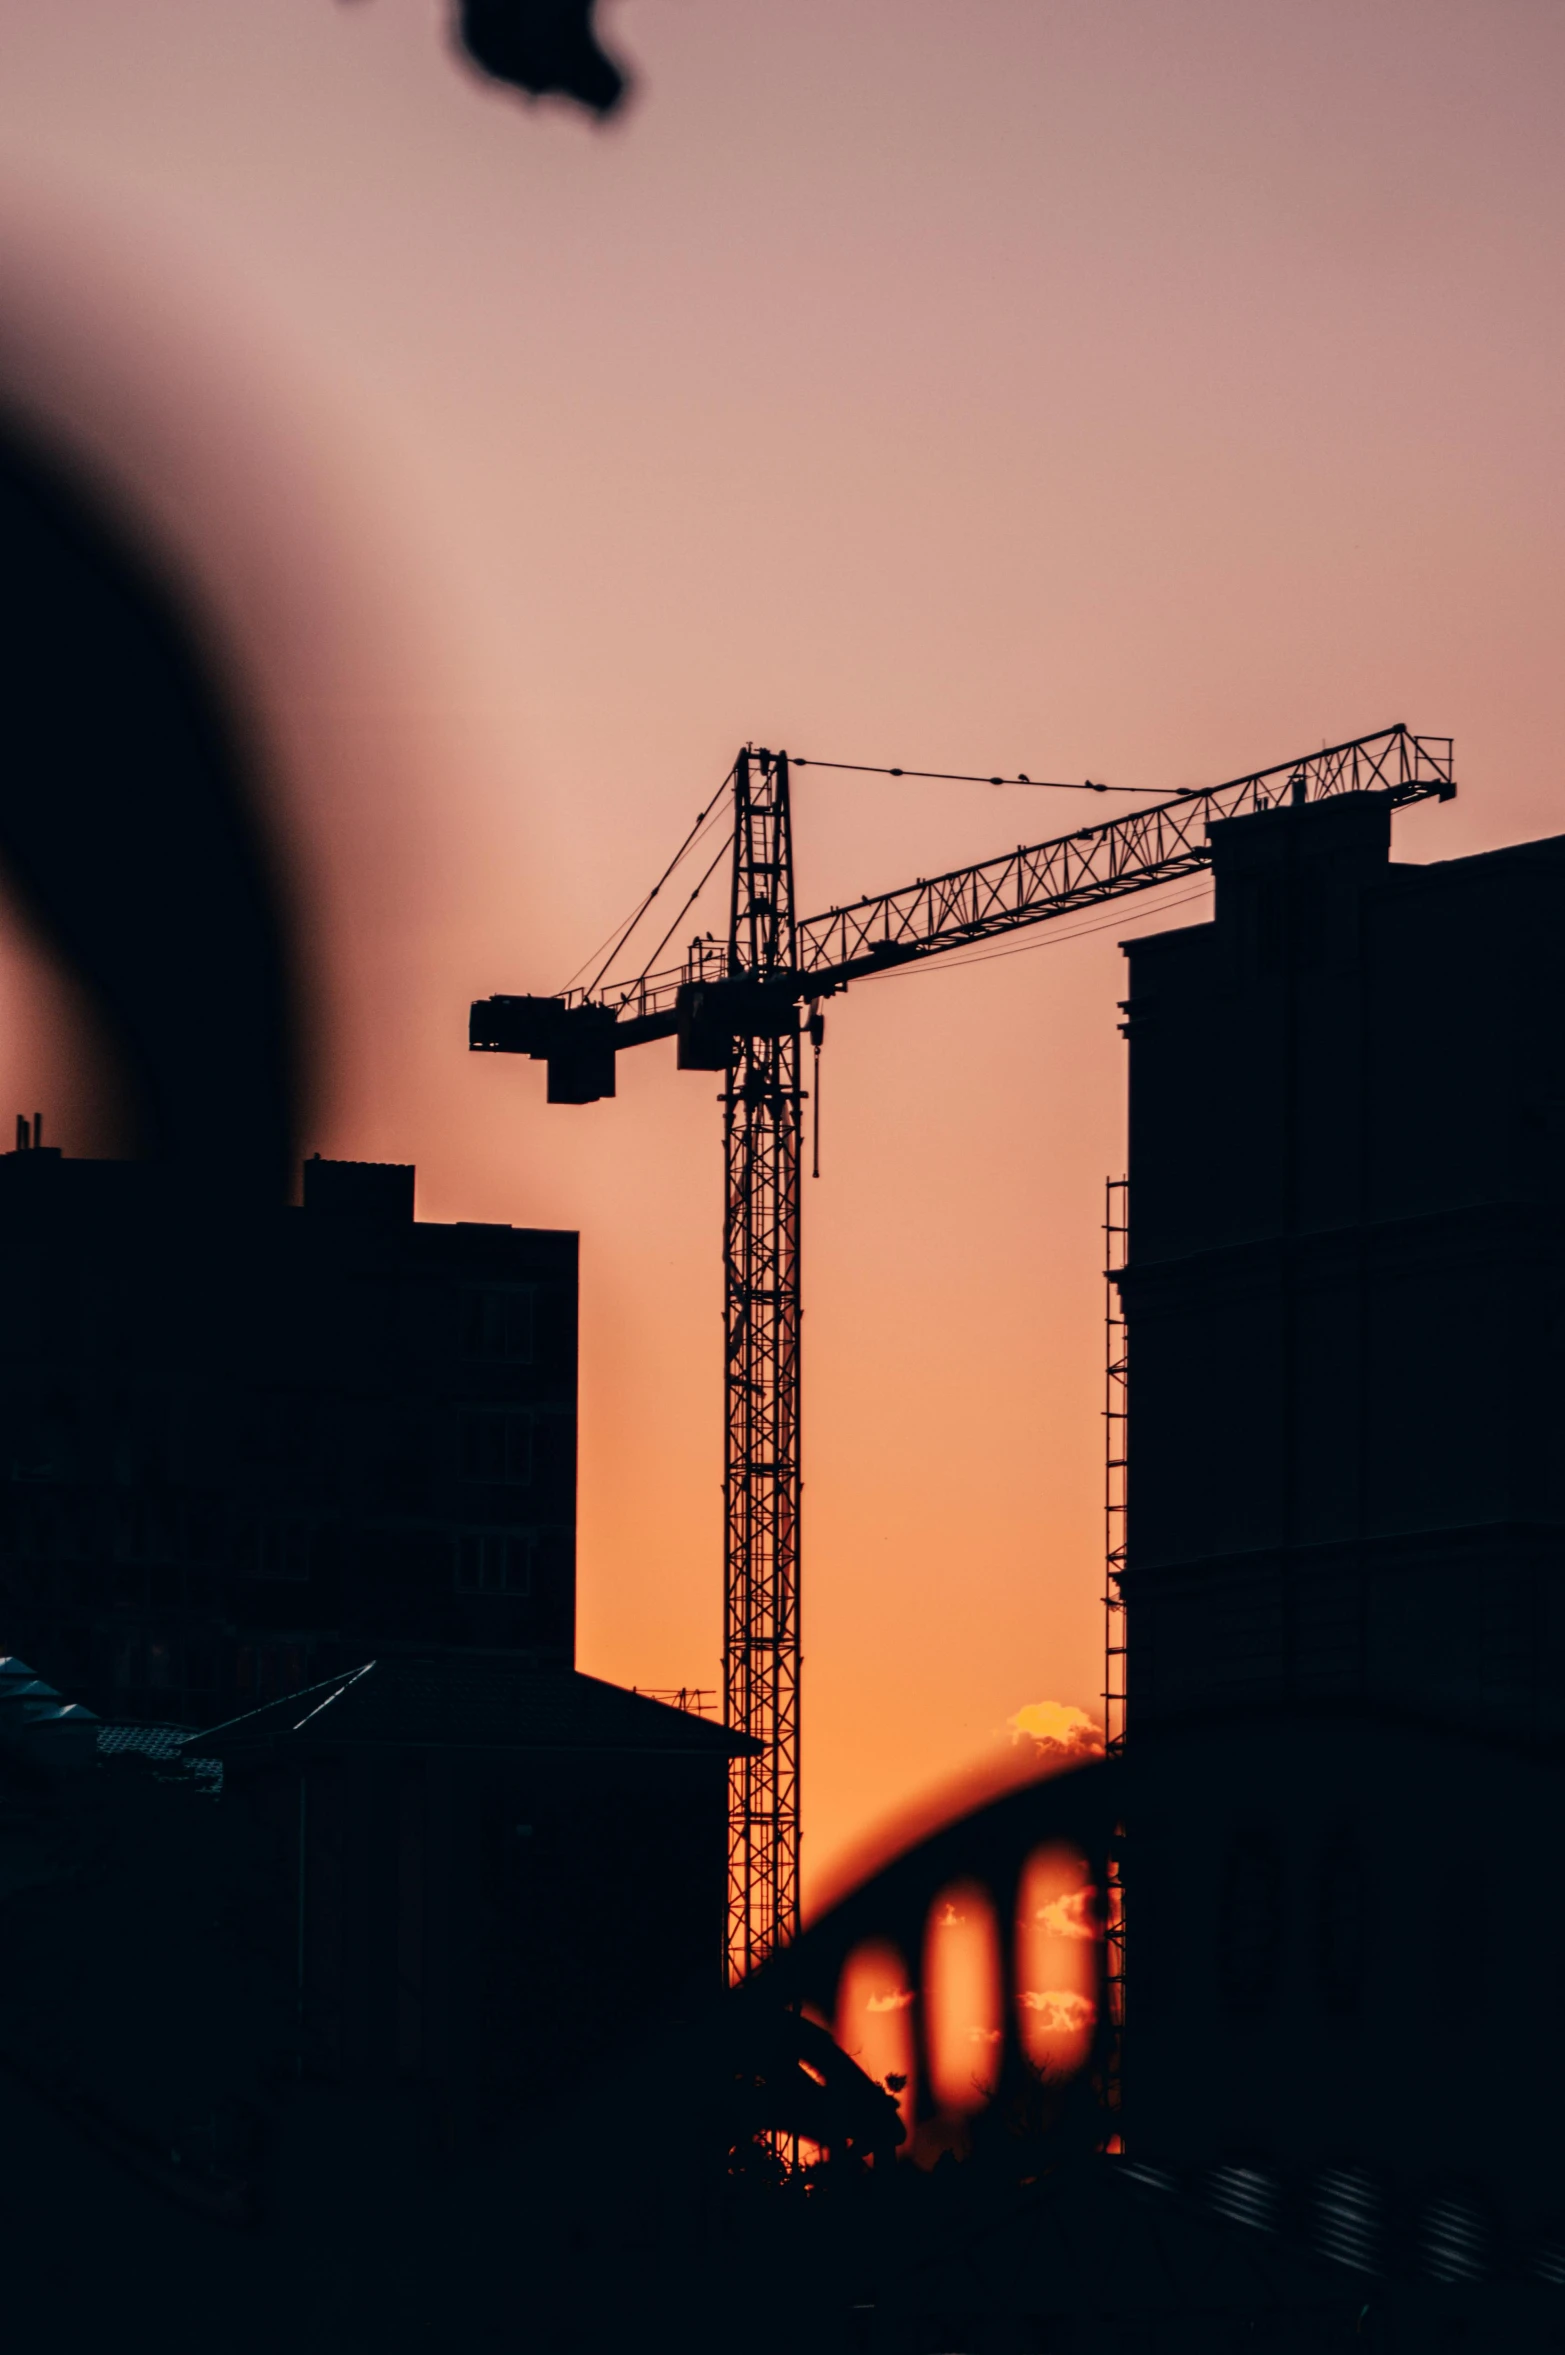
(1143, 389)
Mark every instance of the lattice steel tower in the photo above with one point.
(762, 1134)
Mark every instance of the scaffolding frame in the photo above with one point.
(1116, 1241)
(1116, 1472)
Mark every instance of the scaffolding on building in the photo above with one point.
(1116, 1239)
(1116, 1464)
(695, 1700)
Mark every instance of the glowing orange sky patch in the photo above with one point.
(964, 2026)
(1058, 1943)
(1063, 1734)
(874, 2023)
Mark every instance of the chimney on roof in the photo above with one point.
(29, 1136)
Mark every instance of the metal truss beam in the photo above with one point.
(1132, 853)
(1041, 880)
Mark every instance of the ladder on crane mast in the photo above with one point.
(744, 1008)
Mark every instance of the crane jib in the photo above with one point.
(712, 1000)
(1038, 882)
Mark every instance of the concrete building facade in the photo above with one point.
(241, 1448)
(1345, 1573)
(1347, 1161)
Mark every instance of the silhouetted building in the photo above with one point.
(505, 1871)
(305, 1477)
(243, 1448)
(492, 1872)
(1347, 1158)
(1346, 1534)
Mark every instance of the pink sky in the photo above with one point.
(1147, 389)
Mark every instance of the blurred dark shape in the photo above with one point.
(128, 825)
(788, 2076)
(546, 47)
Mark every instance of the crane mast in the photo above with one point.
(737, 1011)
(762, 1133)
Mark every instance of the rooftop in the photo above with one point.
(467, 1704)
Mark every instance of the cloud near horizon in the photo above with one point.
(1072, 1915)
(1060, 1734)
(1062, 2007)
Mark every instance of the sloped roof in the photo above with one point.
(166, 1746)
(470, 1704)
(150, 1741)
(34, 1716)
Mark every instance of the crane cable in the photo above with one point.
(620, 937)
(622, 933)
(722, 851)
(862, 768)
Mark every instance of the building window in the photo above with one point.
(498, 1447)
(405, 1469)
(281, 1429)
(493, 1562)
(1344, 1923)
(262, 1671)
(497, 1322)
(282, 1550)
(33, 1535)
(205, 1532)
(145, 1532)
(37, 1446)
(1249, 1927)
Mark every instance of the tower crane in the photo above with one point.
(745, 1008)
